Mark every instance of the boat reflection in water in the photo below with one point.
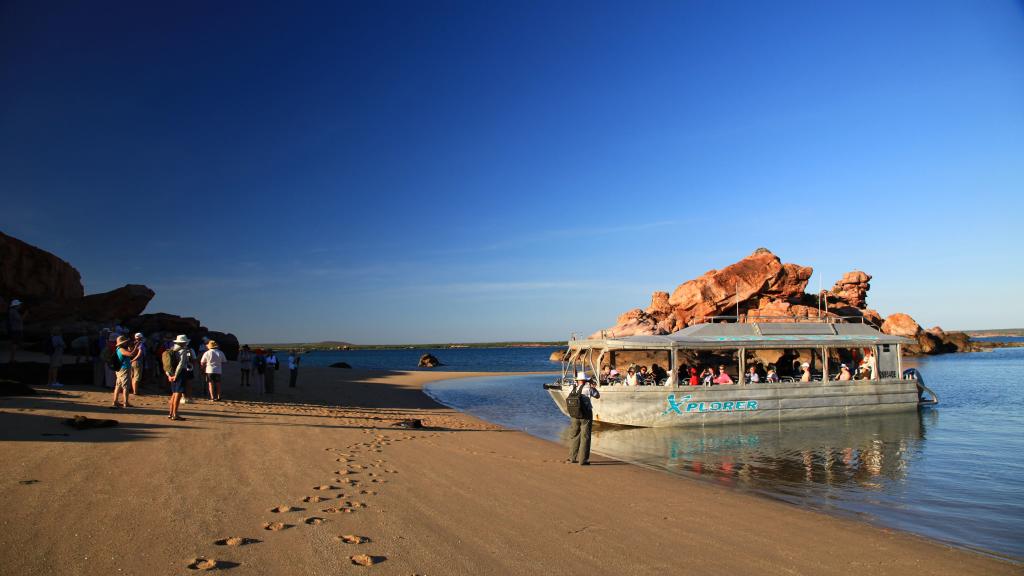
(795, 461)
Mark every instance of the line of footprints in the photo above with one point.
(362, 479)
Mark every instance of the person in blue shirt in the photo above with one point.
(122, 378)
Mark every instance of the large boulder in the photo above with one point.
(125, 302)
(429, 361)
(852, 289)
(35, 275)
(900, 324)
(717, 292)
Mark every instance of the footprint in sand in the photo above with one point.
(336, 510)
(202, 564)
(314, 499)
(27, 482)
(343, 460)
(391, 471)
(345, 472)
(315, 520)
(285, 508)
(365, 560)
(236, 541)
(352, 539)
(326, 487)
(368, 492)
(275, 526)
(379, 481)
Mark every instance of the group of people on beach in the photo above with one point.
(258, 367)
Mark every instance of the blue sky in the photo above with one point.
(479, 171)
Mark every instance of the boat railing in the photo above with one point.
(758, 318)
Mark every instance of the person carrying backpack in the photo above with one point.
(121, 363)
(581, 412)
(176, 364)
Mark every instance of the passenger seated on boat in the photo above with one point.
(772, 376)
(752, 376)
(631, 379)
(658, 374)
(614, 377)
(643, 377)
(723, 377)
(707, 377)
(806, 376)
(694, 380)
(606, 373)
(844, 372)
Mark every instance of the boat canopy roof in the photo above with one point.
(752, 335)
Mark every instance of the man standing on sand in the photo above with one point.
(581, 427)
(213, 364)
(122, 376)
(138, 362)
(293, 367)
(179, 366)
(56, 349)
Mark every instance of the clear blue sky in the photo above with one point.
(475, 171)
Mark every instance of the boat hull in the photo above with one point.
(658, 406)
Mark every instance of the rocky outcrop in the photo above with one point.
(429, 361)
(34, 275)
(762, 287)
(53, 295)
(852, 289)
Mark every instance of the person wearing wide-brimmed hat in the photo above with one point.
(138, 362)
(213, 361)
(181, 356)
(580, 428)
(124, 351)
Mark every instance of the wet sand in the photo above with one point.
(318, 481)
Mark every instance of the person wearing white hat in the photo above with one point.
(138, 362)
(806, 376)
(844, 372)
(580, 428)
(180, 366)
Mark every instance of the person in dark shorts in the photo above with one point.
(176, 377)
(213, 366)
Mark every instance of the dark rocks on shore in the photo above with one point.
(429, 361)
(340, 365)
(53, 296)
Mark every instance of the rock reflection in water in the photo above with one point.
(791, 458)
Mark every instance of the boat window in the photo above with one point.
(858, 361)
(650, 367)
(708, 366)
(785, 364)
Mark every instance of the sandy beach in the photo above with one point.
(461, 496)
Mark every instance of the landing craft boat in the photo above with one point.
(738, 343)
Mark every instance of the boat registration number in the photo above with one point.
(683, 405)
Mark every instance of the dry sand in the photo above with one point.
(337, 487)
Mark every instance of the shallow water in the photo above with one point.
(954, 472)
(454, 359)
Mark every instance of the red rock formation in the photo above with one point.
(764, 287)
(717, 292)
(852, 289)
(34, 275)
(900, 324)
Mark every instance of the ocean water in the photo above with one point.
(454, 359)
(954, 472)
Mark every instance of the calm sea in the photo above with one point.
(455, 359)
(954, 472)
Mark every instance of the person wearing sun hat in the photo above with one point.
(580, 428)
(124, 351)
(844, 372)
(180, 357)
(213, 361)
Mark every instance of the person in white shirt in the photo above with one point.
(752, 376)
(268, 375)
(213, 365)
